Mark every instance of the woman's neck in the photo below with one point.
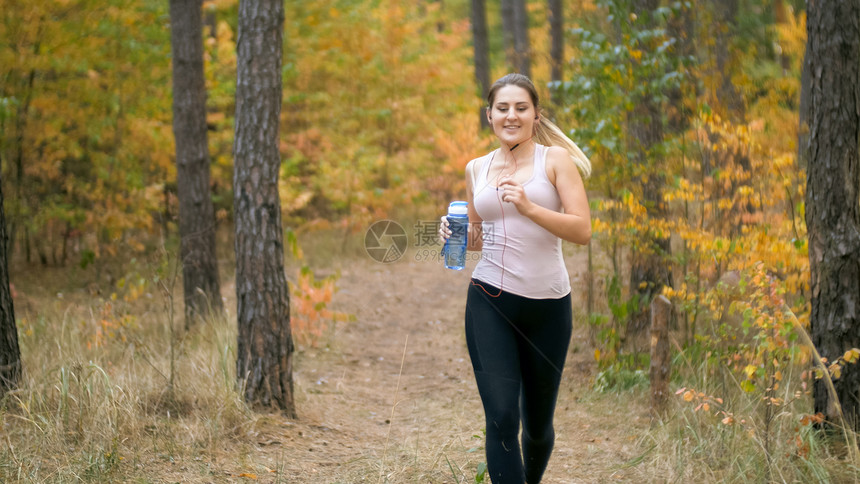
(520, 147)
(513, 157)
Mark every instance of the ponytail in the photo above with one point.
(548, 134)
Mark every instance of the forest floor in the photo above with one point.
(392, 398)
(388, 397)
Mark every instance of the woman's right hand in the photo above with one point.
(444, 231)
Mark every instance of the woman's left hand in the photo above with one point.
(513, 192)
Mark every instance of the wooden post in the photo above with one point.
(661, 310)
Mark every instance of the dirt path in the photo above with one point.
(393, 399)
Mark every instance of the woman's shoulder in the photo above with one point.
(556, 153)
(473, 167)
(558, 161)
(557, 158)
(477, 163)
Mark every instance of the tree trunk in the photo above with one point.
(21, 119)
(201, 286)
(730, 105)
(648, 272)
(681, 27)
(515, 28)
(556, 34)
(780, 16)
(10, 353)
(265, 345)
(661, 360)
(833, 196)
(508, 21)
(522, 50)
(482, 54)
(726, 12)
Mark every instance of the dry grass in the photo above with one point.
(756, 444)
(103, 400)
(96, 401)
(695, 447)
(388, 398)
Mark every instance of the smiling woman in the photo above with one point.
(514, 115)
(524, 198)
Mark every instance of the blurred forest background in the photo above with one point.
(692, 114)
(381, 112)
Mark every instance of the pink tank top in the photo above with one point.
(518, 255)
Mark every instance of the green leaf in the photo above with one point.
(482, 472)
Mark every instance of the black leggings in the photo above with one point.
(518, 346)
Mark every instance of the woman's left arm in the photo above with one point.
(574, 225)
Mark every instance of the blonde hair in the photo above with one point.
(546, 132)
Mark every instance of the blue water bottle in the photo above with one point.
(455, 247)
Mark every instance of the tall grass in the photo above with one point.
(112, 393)
(743, 410)
(115, 390)
(721, 429)
(109, 387)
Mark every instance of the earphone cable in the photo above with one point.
(502, 211)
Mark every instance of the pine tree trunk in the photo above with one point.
(556, 34)
(508, 21)
(726, 12)
(10, 353)
(515, 29)
(201, 286)
(681, 27)
(482, 54)
(730, 105)
(648, 272)
(833, 196)
(265, 345)
(522, 49)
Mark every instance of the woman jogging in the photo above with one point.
(524, 198)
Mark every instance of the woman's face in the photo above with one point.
(512, 115)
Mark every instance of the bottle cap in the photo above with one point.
(458, 208)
